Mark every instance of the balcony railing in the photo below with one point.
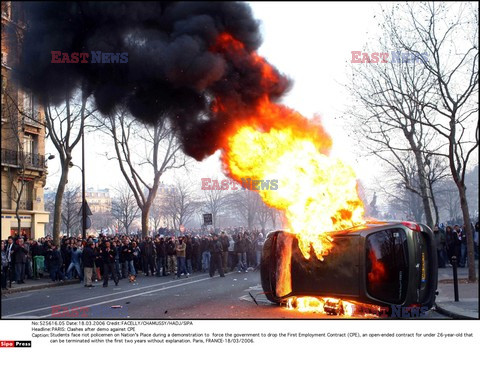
(19, 159)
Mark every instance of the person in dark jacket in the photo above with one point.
(108, 257)
(88, 259)
(224, 240)
(457, 243)
(55, 262)
(4, 266)
(20, 258)
(171, 256)
(127, 251)
(463, 246)
(241, 251)
(148, 257)
(160, 251)
(216, 262)
(136, 252)
(439, 238)
(188, 255)
(196, 255)
(206, 256)
(38, 257)
(449, 243)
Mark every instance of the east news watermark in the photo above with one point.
(245, 183)
(395, 57)
(92, 57)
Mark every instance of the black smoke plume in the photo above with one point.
(173, 68)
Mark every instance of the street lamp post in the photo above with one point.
(84, 207)
(84, 201)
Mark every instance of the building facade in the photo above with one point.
(99, 200)
(23, 162)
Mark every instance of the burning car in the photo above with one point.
(378, 265)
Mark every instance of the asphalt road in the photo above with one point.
(196, 297)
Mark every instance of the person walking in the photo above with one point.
(258, 249)
(224, 240)
(457, 243)
(180, 249)
(160, 251)
(439, 238)
(108, 257)
(204, 248)
(171, 256)
(463, 246)
(75, 258)
(216, 261)
(188, 255)
(127, 250)
(88, 259)
(55, 262)
(10, 259)
(4, 266)
(241, 253)
(20, 258)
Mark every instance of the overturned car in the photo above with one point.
(390, 265)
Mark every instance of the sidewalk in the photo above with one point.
(467, 306)
(42, 283)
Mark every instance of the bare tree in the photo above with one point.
(124, 208)
(157, 214)
(247, 204)
(388, 121)
(65, 125)
(71, 210)
(161, 153)
(449, 34)
(102, 220)
(180, 205)
(263, 215)
(214, 202)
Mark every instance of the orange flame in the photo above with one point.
(318, 193)
(377, 272)
(329, 306)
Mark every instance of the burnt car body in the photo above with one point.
(380, 263)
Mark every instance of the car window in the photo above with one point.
(387, 265)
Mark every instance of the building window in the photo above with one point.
(29, 148)
(26, 199)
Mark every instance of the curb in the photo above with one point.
(450, 314)
(38, 287)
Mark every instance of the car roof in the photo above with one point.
(357, 230)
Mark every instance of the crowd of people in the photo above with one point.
(451, 241)
(117, 257)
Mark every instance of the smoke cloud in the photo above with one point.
(174, 70)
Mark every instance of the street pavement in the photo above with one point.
(467, 306)
(196, 297)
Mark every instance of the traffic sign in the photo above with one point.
(207, 219)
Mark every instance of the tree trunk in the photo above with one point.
(423, 189)
(435, 206)
(472, 277)
(57, 213)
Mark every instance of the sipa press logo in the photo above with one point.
(15, 344)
